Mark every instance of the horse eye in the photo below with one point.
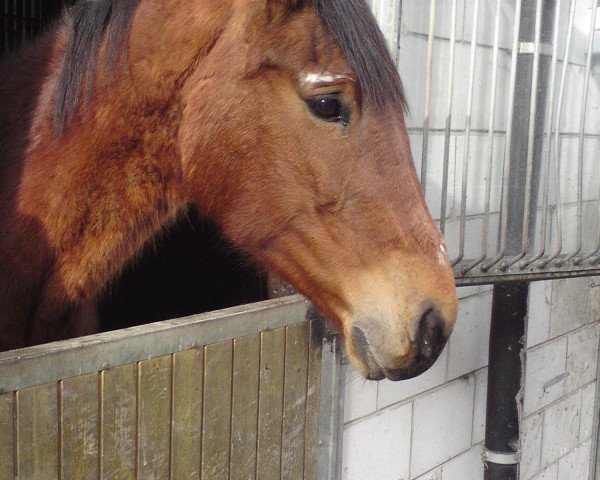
(328, 108)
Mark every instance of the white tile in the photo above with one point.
(415, 17)
(478, 161)
(471, 291)
(582, 357)
(473, 238)
(378, 447)
(572, 305)
(538, 312)
(544, 374)
(561, 428)
(442, 425)
(435, 166)
(393, 392)
(435, 474)
(469, 343)
(588, 397)
(531, 445)
(595, 302)
(467, 466)
(550, 473)
(576, 465)
(479, 408)
(589, 240)
(360, 396)
(487, 13)
(569, 170)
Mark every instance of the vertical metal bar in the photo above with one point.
(172, 419)
(490, 150)
(557, 155)
(465, 166)
(509, 132)
(548, 141)
(595, 456)
(444, 202)
(138, 404)
(61, 429)
(101, 425)
(428, 76)
(577, 261)
(586, 84)
(16, 427)
(533, 108)
(331, 411)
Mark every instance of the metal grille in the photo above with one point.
(505, 129)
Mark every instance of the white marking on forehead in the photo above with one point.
(442, 254)
(322, 78)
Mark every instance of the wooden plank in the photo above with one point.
(6, 436)
(216, 416)
(80, 427)
(70, 358)
(38, 432)
(187, 414)
(244, 409)
(311, 454)
(294, 401)
(270, 404)
(154, 418)
(119, 422)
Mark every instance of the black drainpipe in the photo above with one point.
(501, 454)
(509, 305)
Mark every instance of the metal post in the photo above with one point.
(509, 308)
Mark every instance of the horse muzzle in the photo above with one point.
(382, 356)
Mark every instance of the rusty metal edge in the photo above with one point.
(59, 360)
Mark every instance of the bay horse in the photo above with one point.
(280, 120)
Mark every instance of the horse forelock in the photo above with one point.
(350, 22)
(355, 29)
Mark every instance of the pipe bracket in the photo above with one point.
(501, 458)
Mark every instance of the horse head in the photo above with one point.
(293, 139)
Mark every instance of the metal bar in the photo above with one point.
(465, 166)
(577, 261)
(548, 141)
(20, 368)
(490, 151)
(509, 309)
(557, 155)
(509, 132)
(444, 201)
(586, 84)
(428, 75)
(533, 108)
(331, 412)
(595, 456)
(516, 274)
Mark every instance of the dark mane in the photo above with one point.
(89, 21)
(350, 22)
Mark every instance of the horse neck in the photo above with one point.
(85, 202)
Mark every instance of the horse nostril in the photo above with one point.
(361, 344)
(431, 337)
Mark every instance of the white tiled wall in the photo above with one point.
(432, 427)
